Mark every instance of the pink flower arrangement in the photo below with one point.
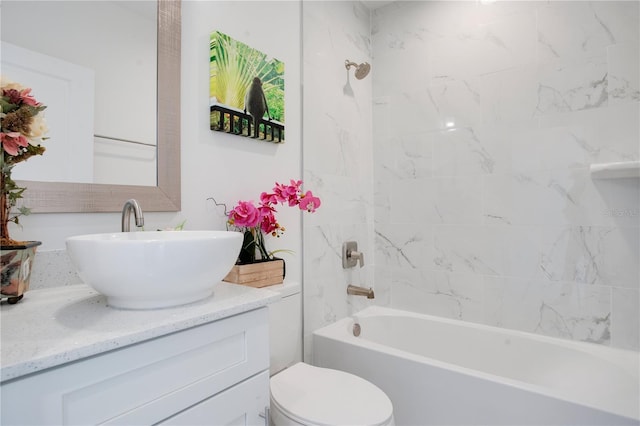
(22, 129)
(257, 220)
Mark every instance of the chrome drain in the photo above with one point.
(356, 329)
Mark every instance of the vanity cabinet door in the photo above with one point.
(144, 383)
(241, 405)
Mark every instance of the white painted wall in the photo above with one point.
(227, 167)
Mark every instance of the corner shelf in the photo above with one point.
(620, 170)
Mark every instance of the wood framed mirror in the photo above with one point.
(64, 197)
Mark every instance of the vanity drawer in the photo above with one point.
(153, 379)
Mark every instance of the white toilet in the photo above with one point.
(308, 395)
(302, 394)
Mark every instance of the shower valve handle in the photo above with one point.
(358, 256)
(351, 256)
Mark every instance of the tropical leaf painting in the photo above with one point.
(233, 68)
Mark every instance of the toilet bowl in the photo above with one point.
(313, 396)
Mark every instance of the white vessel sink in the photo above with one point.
(148, 270)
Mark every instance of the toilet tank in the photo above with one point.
(285, 327)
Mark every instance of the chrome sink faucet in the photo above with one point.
(131, 205)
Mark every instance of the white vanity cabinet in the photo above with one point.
(211, 374)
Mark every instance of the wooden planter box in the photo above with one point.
(259, 274)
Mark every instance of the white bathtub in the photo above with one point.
(439, 371)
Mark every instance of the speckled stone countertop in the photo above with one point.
(51, 327)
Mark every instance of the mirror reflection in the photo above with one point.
(94, 65)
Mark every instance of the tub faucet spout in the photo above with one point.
(360, 291)
(129, 206)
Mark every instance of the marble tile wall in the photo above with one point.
(337, 161)
(486, 118)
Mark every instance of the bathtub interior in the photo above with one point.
(587, 374)
(519, 356)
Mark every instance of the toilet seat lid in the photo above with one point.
(323, 396)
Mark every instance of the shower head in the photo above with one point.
(362, 70)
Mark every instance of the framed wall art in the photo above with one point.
(246, 90)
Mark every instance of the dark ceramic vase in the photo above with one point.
(17, 264)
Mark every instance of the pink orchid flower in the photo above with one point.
(245, 214)
(266, 209)
(269, 225)
(268, 199)
(308, 202)
(288, 193)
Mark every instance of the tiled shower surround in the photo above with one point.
(484, 121)
(338, 161)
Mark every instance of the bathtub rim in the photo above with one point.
(341, 331)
